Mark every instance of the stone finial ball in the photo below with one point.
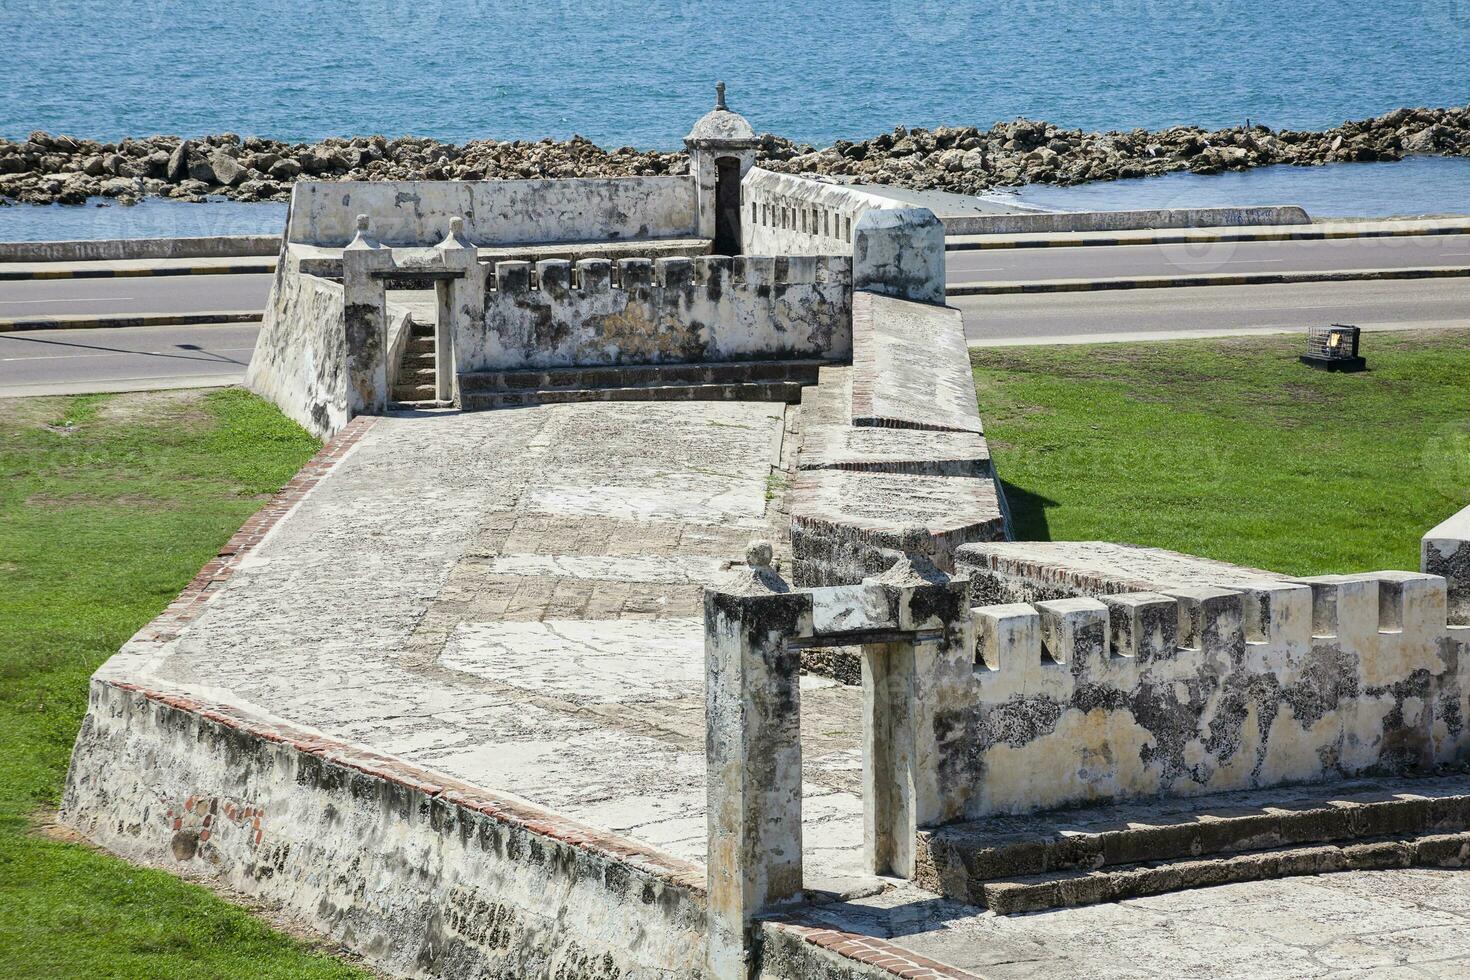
(362, 222)
(758, 554)
(456, 226)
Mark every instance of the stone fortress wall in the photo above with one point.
(998, 677)
(495, 212)
(666, 310)
(1205, 688)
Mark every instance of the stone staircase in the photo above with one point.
(1122, 851)
(776, 380)
(415, 382)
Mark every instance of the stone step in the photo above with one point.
(960, 860)
(418, 360)
(770, 391)
(419, 329)
(1069, 889)
(410, 374)
(641, 375)
(413, 393)
(420, 345)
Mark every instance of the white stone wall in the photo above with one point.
(495, 212)
(1205, 690)
(300, 358)
(668, 310)
(1446, 551)
(424, 878)
(300, 361)
(784, 214)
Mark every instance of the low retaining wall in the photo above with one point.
(1062, 221)
(495, 212)
(107, 250)
(423, 876)
(653, 311)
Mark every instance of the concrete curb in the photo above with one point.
(233, 269)
(18, 324)
(1174, 282)
(120, 249)
(1185, 238)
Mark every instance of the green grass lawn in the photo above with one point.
(1232, 449)
(108, 506)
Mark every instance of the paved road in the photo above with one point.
(165, 294)
(120, 359)
(1134, 261)
(1212, 311)
(123, 359)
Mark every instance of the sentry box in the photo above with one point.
(1333, 348)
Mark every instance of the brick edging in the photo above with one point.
(190, 604)
(872, 951)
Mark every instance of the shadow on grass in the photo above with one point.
(1028, 512)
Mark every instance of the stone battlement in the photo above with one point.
(1208, 689)
(667, 310)
(671, 272)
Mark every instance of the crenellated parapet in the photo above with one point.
(1203, 689)
(670, 310)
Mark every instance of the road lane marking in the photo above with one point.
(125, 353)
(80, 299)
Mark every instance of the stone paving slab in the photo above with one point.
(1384, 924)
(514, 599)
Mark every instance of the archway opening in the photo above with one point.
(727, 206)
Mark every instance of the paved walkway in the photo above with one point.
(513, 598)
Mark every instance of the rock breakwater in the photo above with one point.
(46, 169)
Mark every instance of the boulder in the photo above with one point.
(227, 170)
(202, 170)
(177, 170)
(285, 169)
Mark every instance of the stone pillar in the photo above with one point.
(720, 135)
(899, 252)
(753, 755)
(1445, 551)
(461, 307)
(911, 758)
(365, 312)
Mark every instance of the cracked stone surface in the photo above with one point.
(513, 598)
(1408, 923)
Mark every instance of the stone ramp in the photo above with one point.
(443, 699)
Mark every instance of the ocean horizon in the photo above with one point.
(640, 73)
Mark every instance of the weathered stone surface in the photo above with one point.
(504, 212)
(789, 215)
(900, 253)
(671, 310)
(911, 367)
(1446, 552)
(383, 613)
(959, 859)
(1032, 571)
(1325, 679)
